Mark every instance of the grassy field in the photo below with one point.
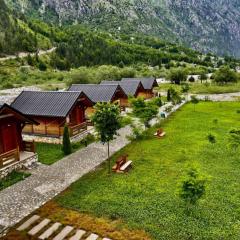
(146, 198)
(205, 88)
(51, 153)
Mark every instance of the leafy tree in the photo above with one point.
(195, 101)
(178, 75)
(42, 66)
(173, 96)
(67, 147)
(144, 110)
(185, 89)
(107, 122)
(30, 60)
(225, 75)
(169, 95)
(192, 186)
(203, 77)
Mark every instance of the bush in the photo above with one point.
(67, 147)
(211, 138)
(192, 186)
(42, 66)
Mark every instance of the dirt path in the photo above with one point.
(25, 54)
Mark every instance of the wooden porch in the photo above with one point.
(16, 155)
(54, 130)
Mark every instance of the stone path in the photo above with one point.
(19, 200)
(45, 229)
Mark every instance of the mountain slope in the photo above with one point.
(207, 25)
(16, 35)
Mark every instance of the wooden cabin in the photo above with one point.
(53, 110)
(133, 88)
(12, 147)
(148, 84)
(102, 93)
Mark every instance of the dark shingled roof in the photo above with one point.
(148, 83)
(96, 92)
(130, 88)
(46, 103)
(18, 113)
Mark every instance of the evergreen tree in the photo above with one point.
(67, 147)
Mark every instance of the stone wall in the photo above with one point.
(23, 164)
(56, 140)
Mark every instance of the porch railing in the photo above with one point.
(29, 146)
(74, 130)
(9, 158)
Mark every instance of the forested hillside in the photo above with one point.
(16, 35)
(209, 25)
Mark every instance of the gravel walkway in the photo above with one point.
(19, 200)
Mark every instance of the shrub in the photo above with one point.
(67, 147)
(211, 138)
(192, 186)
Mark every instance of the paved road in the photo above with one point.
(25, 54)
(19, 200)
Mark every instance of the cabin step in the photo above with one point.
(50, 231)
(79, 234)
(63, 233)
(28, 223)
(39, 227)
(93, 236)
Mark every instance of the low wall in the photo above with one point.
(23, 164)
(54, 140)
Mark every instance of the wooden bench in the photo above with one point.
(160, 133)
(122, 165)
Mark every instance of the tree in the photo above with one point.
(185, 89)
(144, 110)
(42, 66)
(195, 101)
(173, 95)
(67, 147)
(203, 77)
(106, 120)
(192, 186)
(178, 75)
(225, 75)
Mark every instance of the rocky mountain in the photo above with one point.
(206, 25)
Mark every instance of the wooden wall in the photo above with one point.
(10, 134)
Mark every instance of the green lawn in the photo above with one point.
(147, 199)
(51, 153)
(12, 178)
(206, 88)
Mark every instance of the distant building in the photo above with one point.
(102, 93)
(148, 84)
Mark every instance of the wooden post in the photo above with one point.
(1, 162)
(18, 154)
(109, 162)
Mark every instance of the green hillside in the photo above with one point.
(16, 35)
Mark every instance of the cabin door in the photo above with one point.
(9, 137)
(80, 115)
